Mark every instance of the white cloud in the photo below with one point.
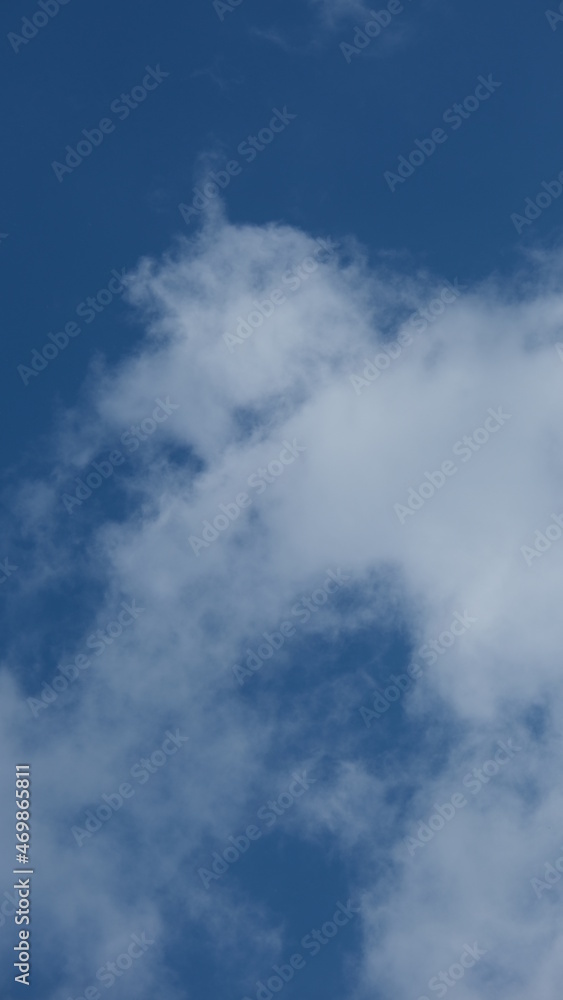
(332, 508)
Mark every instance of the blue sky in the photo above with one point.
(281, 498)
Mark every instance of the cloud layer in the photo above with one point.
(336, 417)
